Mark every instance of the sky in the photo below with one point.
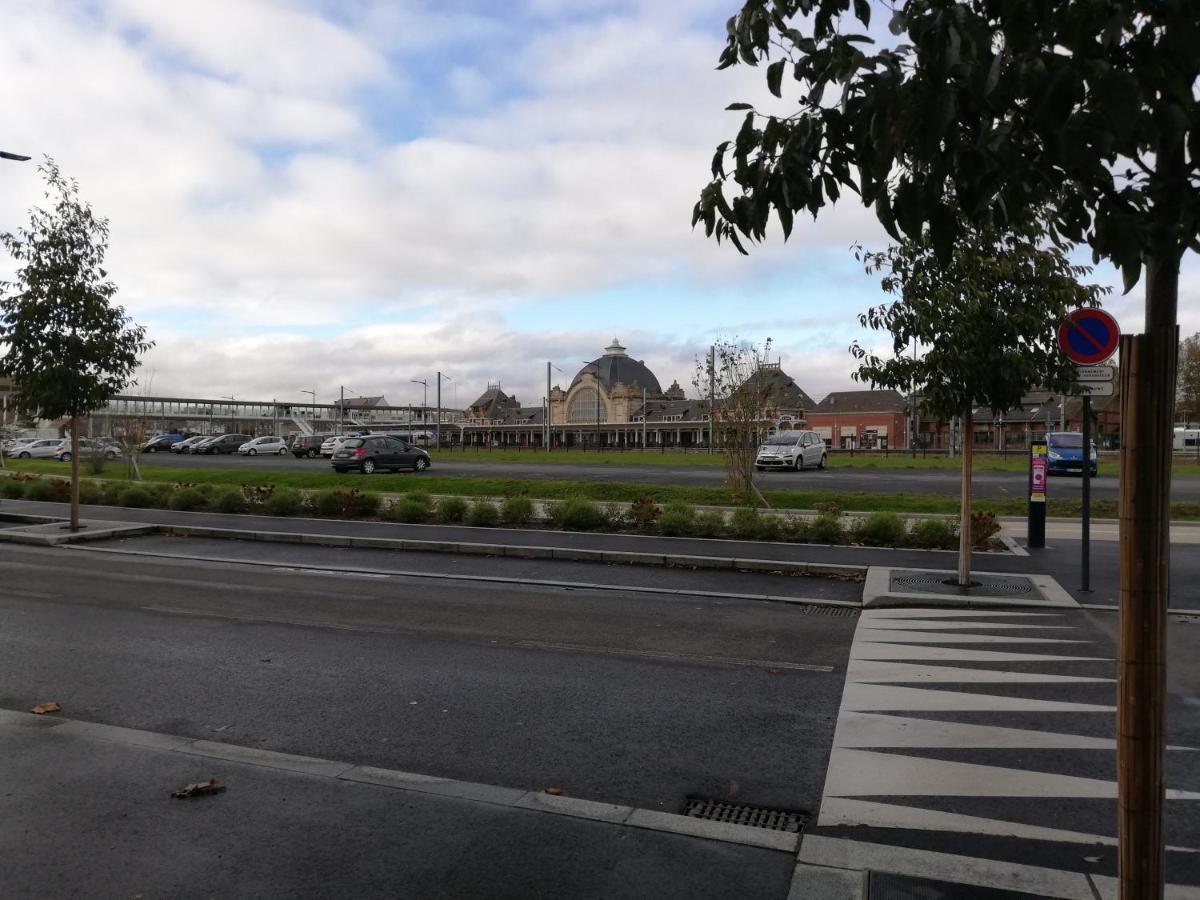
(318, 194)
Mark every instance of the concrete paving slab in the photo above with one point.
(886, 586)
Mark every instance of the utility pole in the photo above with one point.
(342, 410)
(645, 415)
(547, 428)
(424, 382)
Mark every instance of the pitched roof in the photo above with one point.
(781, 388)
(362, 402)
(861, 402)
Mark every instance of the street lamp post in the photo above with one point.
(438, 433)
(424, 382)
(313, 394)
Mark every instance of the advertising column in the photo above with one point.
(1036, 533)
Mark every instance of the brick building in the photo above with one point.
(861, 420)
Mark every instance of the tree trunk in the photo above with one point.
(74, 473)
(964, 513)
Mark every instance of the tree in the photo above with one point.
(67, 347)
(1188, 395)
(989, 319)
(996, 112)
(739, 404)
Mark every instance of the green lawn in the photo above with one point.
(616, 492)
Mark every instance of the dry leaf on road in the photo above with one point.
(199, 789)
(43, 708)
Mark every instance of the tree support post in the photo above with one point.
(1147, 393)
(74, 473)
(964, 515)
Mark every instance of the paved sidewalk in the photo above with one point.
(88, 812)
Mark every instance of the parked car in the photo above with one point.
(791, 450)
(11, 447)
(1065, 451)
(378, 451)
(45, 448)
(308, 445)
(87, 449)
(222, 443)
(161, 443)
(333, 442)
(276, 446)
(188, 445)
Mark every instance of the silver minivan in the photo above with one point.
(791, 450)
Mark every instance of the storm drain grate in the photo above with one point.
(741, 814)
(820, 610)
(937, 583)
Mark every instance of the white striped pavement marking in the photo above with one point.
(890, 698)
(865, 671)
(883, 650)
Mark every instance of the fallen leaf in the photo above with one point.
(199, 789)
(553, 792)
(43, 708)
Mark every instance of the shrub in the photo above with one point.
(54, 490)
(90, 492)
(745, 523)
(577, 514)
(983, 528)
(409, 510)
(795, 530)
(136, 496)
(284, 502)
(677, 520)
(420, 497)
(451, 510)
(708, 524)
(343, 503)
(516, 510)
(483, 514)
(160, 494)
(95, 463)
(188, 498)
(882, 529)
(934, 534)
(12, 489)
(829, 507)
(770, 528)
(230, 500)
(826, 528)
(643, 513)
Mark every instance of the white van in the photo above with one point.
(791, 450)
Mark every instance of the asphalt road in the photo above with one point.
(987, 484)
(525, 687)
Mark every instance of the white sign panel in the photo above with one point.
(1095, 373)
(1095, 389)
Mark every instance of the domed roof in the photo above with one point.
(615, 367)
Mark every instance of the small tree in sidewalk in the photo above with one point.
(739, 407)
(988, 319)
(66, 346)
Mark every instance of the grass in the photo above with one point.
(605, 492)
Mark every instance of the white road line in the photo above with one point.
(883, 650)
(896, 636)
(901, 612)
(890, 698)
(865, 773)
(945, 625)
(864, 671)
(875, 731)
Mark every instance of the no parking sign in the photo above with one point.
(1089, 336)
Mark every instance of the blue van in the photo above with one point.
(1065, 449)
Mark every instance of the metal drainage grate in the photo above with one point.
(741, 814)
(937, 583)
(817, 609)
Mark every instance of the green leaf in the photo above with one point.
(898, 23)
(738, 107)
(775, 76)
(862, 11)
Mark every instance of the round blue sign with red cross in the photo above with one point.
(1089, 336)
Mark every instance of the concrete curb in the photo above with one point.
(531, 801)
(877, 593)
(494, 579)
(578, 554)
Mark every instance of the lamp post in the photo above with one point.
(424, 383)
(232, 414)
(313, 394)
(438, 432)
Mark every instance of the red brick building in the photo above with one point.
(861, 420)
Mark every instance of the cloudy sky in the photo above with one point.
(314, 193)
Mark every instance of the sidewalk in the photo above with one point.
(88, 812)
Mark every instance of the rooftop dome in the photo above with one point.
(615, 367)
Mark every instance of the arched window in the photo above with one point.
(583, 409)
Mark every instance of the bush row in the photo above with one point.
(675, 519)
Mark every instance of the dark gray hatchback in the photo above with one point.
(377, 451)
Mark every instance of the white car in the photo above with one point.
(272, 445)
(87, 449)
(331, 445)
(43, 449)
(791, 450)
